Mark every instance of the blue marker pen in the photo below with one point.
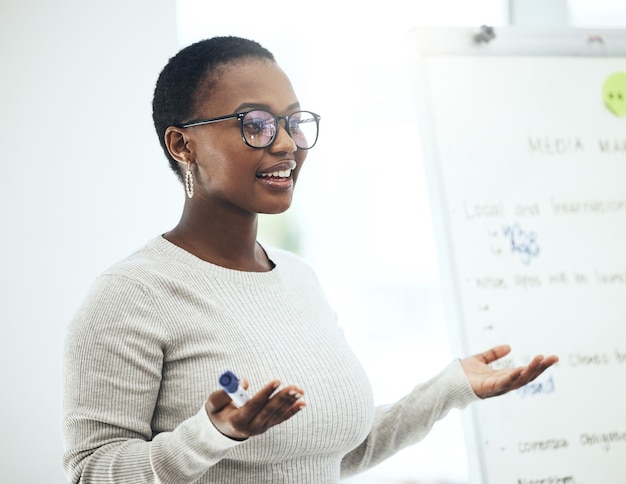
(230, 383)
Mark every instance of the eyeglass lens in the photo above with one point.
(260, 127)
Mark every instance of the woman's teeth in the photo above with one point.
(277, 174)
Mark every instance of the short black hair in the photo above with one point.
(194, 67)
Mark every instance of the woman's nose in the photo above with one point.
(283, 143)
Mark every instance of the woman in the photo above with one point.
(144, 352)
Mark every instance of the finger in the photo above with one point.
(494, 354)
(217, 401)
(282, 401)
(535, 368)
(280, 416)
(281, 407)
(291, 411)
(290, 398)
(260, 399)
(538, 365)
(535, 365)
(551, 360)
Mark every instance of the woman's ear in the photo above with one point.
(177, 144)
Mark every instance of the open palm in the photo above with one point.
(489, 382)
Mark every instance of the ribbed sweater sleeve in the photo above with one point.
(409, 420)
(112, 396)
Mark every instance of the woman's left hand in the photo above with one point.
(488, 382)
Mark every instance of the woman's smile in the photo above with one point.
(279, 176)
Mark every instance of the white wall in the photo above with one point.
(83, 183)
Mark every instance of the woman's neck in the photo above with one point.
(229, 243)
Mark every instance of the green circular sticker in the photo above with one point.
(614, 93)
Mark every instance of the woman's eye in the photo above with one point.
(253, 127)
(260, 126)
(257, 126)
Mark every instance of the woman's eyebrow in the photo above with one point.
(266, 107)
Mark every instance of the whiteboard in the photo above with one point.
(527, 177)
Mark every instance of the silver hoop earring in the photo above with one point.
(189, 181)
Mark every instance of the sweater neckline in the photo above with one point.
(174, 252)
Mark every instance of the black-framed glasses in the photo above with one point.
(260, 127)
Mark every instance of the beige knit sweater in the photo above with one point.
(156, 330)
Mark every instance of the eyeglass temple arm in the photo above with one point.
(208, 121)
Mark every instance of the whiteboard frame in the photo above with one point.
(429, 42)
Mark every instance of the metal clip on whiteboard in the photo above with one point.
(486, 34)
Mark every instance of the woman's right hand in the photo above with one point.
(264, 410)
